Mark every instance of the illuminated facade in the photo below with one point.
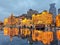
(28, 27)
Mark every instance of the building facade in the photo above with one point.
(53, 9)
(59, 11)
(30, 12)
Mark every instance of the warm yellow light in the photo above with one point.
(37, 35)
(45, 18)
(39, 22)
(47, 37)
(58, 34)
(25, 32)
(5, 21)
(5, 31)
(58, 20)
(33, 15)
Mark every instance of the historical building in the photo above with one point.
(30, 12)
(22, 16)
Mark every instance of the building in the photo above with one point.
(22, 16)
(30, 12)
(59, 11)
(53, 9)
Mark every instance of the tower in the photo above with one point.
(53, 9)
(59, 11)
(30, 12)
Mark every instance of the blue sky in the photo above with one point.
(19, 7)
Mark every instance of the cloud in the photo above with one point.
(21, 6)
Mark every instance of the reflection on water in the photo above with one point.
(5, 40)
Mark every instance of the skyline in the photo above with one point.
(19, 7)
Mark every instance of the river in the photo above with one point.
(5, 40)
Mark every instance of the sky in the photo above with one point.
(19, 7)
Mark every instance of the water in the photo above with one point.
(5, 40)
